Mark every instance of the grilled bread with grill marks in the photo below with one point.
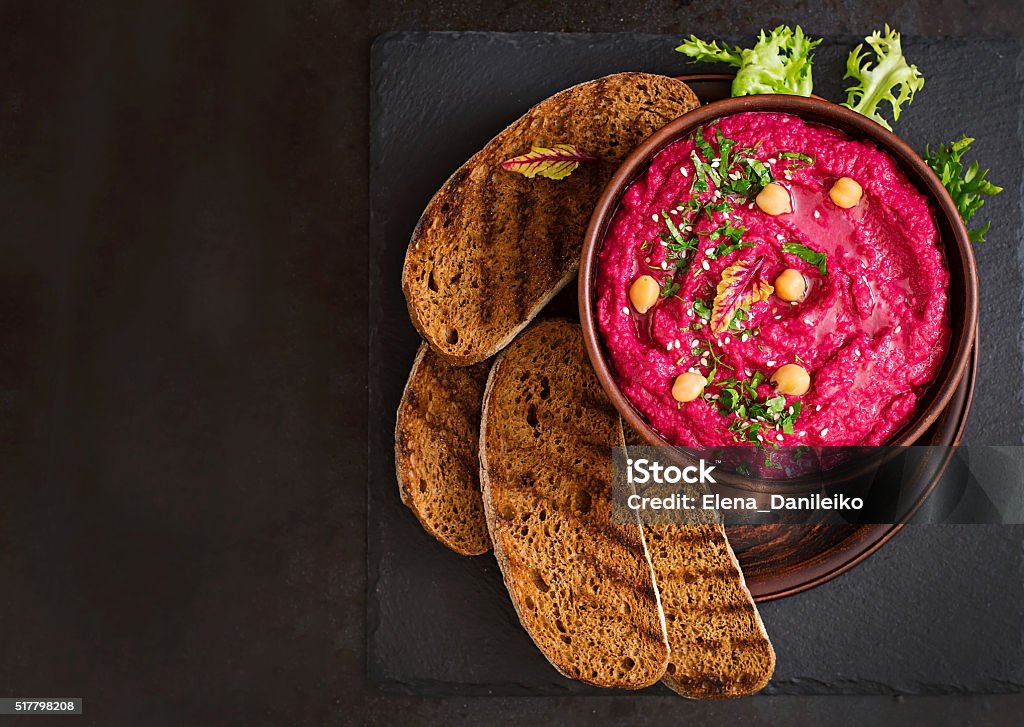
(436, 450)
(582, 586)
(719, 647)
(493, 247)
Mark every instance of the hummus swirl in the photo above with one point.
(872, 329)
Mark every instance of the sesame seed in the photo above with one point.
(791, 410)
(654, 217)
(769, 363)
(715, 163)
(780, 237)
(726, 340)
(725, 215)
(743, 338)
(772, 160)
(689, 311)
(714, 397)
(760, 438)
(692, 370)
(802, 434)
(673, 212)
(664, 265)
(817, 215)
(687, 228)
(824, 432)
(778, 437)
(897, 329)
(677, 343)
(694, 342)
(788, 175)
(778, 318)
(703, 362)
(684, 171)
(669, 346)
(750, 206)
(625, 311)
(705, 265)
(817, 408)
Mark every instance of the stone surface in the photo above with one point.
(938, 610)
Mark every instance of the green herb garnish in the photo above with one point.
(806, 254)
(799, 160)
(968, 187)
(752, 416)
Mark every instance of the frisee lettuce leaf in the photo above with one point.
(878, 84)
(554, 162)
(779, 62)
(968, 187)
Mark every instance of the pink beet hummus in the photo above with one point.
(871, 331)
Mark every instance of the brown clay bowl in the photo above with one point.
(963, 286)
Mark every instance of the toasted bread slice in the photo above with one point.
(492, 246)
(719, 647)
(582, 586)
(436, 450)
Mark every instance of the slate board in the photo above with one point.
(939, 609)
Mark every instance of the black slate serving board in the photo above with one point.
(940, 609)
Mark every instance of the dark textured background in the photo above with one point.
(183, 310)
(443, 625)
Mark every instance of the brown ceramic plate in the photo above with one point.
(780, 560)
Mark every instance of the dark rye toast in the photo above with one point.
(493, 247)
(582, 586)
(719, 646)
(436, 450)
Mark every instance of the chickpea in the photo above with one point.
(688, 387)
(774, 200)
(846, 193)
(790, 285)
(643, 293)
(791, 379)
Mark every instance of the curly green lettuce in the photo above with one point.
(891, 79)
(779, 62)
(968, 188)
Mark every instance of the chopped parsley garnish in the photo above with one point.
(702, 309)
(802, 160)
(700, 177)
(806, 254)
(673, 230)
(751, 416)
(669, 288)
(748, 175)
(732, 242)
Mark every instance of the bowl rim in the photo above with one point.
(820, 111)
